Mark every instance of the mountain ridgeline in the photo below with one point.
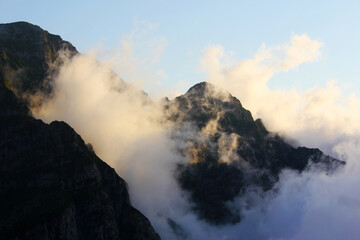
(29, 57)
(232, 153)
(53, 186)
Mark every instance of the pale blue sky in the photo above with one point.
(188, 27)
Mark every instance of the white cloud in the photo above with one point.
(312, 205)
(125, 129)
(291, 111)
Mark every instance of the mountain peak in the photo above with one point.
(199, 88)
(234, 153)
(204, 102)
(207, 90)
(52, 185)
(26, 53)
(19, 26)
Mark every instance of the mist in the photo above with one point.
(127, 130)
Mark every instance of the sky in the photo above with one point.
(167, 38)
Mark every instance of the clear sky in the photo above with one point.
(174, 34)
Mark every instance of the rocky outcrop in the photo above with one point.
(29, 57)
(230, 153)
(53, 186)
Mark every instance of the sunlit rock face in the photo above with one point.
(28, 57)
(52, 185)
(230, 153)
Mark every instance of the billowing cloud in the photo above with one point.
(85, 89)
(312, 205)
(127, 130)
(124, 127)
(307, 116)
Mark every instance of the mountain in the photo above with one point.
(28, 55)
(231, 153)
(52, 185)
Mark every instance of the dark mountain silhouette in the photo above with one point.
(28, 55)
(52, 185)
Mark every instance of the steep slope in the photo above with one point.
(28, 55)
(52, 185)
(31, 58)
(231, 152)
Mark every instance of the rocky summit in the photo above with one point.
(231, 153)
(52, 185)
(28, 56)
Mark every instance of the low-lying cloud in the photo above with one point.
(127, 131)
(321, 206)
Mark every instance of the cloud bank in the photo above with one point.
(321, 206)
(309, 116)
(127, 130)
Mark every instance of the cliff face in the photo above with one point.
(231, 153)
(52, 185)
(28, 57)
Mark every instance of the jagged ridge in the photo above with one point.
(255, 156)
